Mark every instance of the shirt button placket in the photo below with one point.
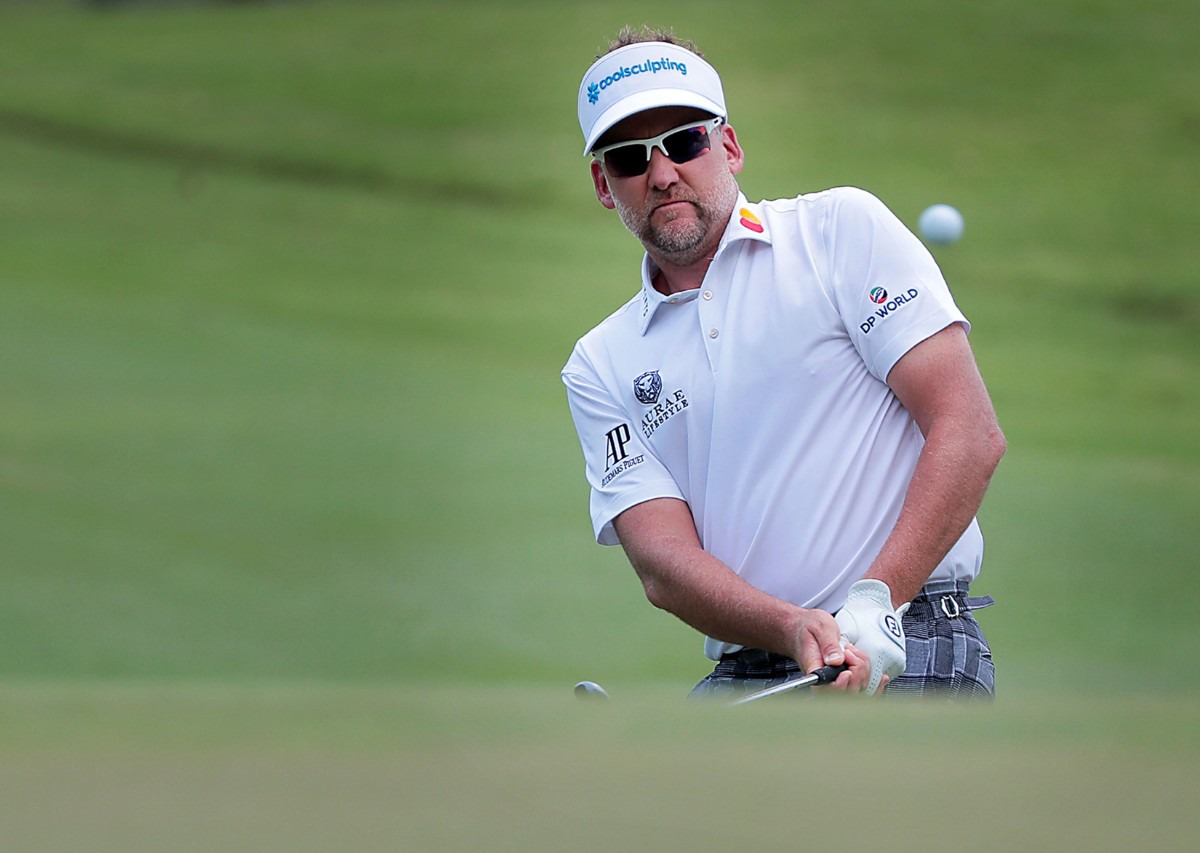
(710, 323)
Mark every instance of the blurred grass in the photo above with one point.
(521, 767)
(285, 288)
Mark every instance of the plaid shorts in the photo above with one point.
(947, 653)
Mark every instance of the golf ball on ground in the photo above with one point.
(940, 223)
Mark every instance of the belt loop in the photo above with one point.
(949, 606)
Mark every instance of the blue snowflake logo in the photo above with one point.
(593, 93)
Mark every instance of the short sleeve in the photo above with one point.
(620, 468)
(888, 289)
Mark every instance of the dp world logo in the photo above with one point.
(647, 387)
(593, 92)
(878, 295)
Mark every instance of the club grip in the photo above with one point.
(826, 674)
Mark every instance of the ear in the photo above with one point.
(734, 155)
(603, 193)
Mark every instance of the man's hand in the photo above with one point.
(857, 675)
(869, 622)
(820, 645)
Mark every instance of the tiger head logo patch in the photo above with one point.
(647, 387)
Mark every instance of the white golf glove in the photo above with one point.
(869, 622)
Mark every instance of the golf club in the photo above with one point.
(824, 675)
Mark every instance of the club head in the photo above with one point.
(590, 690)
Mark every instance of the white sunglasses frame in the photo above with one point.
(657, 142)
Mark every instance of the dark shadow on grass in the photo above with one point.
(1143, 303)
(194, 157)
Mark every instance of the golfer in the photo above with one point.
(785, 428)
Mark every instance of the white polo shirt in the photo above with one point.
(760, 399)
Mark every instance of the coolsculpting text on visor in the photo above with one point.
(650, 66)
(645, 76)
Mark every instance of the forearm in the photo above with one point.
(939, 384)
(681, 578)
(947, 488)
(706, 594)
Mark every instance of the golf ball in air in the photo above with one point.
(590, 690)
(940, 223)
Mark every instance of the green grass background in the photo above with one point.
(295, 540)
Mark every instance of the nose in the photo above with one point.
(662, 171)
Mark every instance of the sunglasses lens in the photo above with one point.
(626, 161)
(687, 144)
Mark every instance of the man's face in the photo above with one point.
(677, 210)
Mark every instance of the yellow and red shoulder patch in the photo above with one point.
(749, 220)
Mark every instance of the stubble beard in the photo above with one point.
(683, 240)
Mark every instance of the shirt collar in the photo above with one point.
(746, 223)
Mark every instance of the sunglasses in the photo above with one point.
(681, 144)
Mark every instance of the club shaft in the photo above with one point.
(824, 675)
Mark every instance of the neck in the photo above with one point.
(671, 278)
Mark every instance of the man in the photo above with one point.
(786, 422)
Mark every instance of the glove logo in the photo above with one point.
(893, 626)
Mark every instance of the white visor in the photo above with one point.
(641, 77)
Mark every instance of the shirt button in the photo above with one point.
(708, 294)
(712, 333)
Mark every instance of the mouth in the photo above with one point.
(674, 207)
